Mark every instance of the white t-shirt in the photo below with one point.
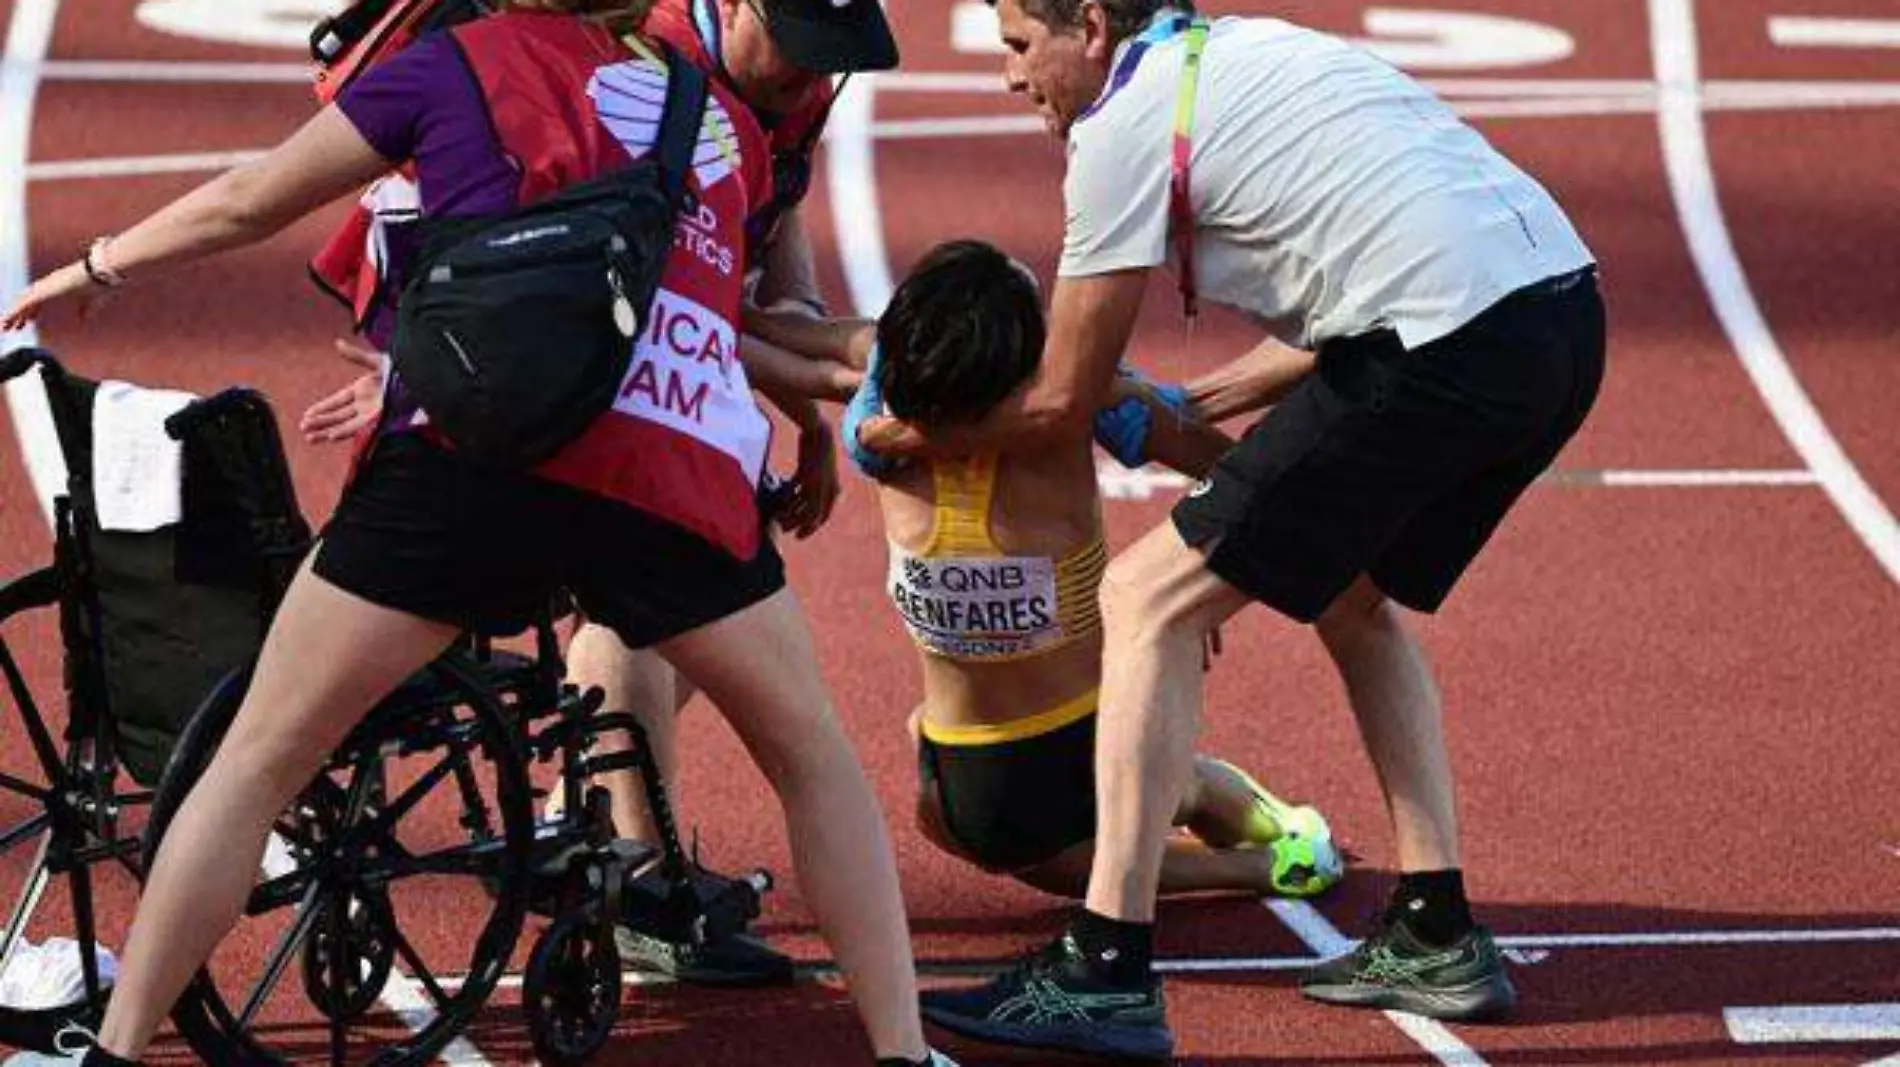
(1332, 194)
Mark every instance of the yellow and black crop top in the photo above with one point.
(963, 598)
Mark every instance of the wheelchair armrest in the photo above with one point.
(180, 422)
(21, 360)
(39, 589)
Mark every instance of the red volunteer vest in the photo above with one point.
(685, 24)
(685, 441)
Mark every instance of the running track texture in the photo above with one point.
(1670, 682)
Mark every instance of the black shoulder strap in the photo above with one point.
(680, 123)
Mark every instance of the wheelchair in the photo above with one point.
(398, 883)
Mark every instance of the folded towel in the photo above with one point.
(137, 469)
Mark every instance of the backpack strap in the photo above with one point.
(680, 124)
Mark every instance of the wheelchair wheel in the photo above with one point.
(374, 886)
(571, 992)
(346, 964)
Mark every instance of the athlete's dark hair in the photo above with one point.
(960, 334)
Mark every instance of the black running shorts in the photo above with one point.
(1398, 464)
(424, 531)
(1012, 805)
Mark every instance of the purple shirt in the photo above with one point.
(422, 104)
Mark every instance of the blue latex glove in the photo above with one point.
(1122, 427)
(867, 402)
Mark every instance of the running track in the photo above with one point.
(1671, 682)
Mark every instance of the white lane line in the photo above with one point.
(111, 70)
(1685, 479)
(1325, 940)
(1705, 938)
(137, 166)
(1809, 1023)
(1692, 183)
(1794, 31)
(404, 996)
(851, 181)
(29, 32)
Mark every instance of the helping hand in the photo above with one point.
(815, 484)
(67, 281)
(864, 419)
(355, 407)
(1122, 427)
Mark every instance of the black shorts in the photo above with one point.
(1011, 805)
(424, 531)
(1398, 464)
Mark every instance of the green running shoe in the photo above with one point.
(1305, 866)
(1396, 971)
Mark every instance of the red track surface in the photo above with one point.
(1672, 708)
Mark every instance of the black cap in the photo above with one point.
(833, 36)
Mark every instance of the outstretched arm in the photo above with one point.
(323, 160)
(1260, 377)
(1177, 439)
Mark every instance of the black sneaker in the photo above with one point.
(738, 960)
(1393, 969)
(1049, 1001)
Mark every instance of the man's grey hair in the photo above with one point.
(1125, 17)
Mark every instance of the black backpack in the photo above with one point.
(516, 331)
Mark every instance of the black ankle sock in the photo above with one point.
(1432, 905)
(98, 1057)
(1116, 952)
(899, 1061)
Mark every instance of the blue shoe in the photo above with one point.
(1050, 1001)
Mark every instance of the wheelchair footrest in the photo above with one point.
(699, 906)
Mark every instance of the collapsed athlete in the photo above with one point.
(995, 566)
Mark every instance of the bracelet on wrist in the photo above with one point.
(96, 269)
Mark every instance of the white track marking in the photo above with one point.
(121, 70)
(405, 996)
(1791, 31)
(1809, 1023)
(137, 166)
(1706, 938)
(851, 181)
(1692, 183)
(1460, 40)
(1687, 479)
(1325, 940)
(28, 34)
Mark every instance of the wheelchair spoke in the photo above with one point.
(336, 916)
(478, 859)
(287, 946)
(23, 788)
(273, 893)
(24, 830)
(418, 970)
(379, 830)
(28, 904)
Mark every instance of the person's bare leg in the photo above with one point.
(1159, 600)
(640, 682)
(328, 658)
(760, 670)
(1396, 703)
